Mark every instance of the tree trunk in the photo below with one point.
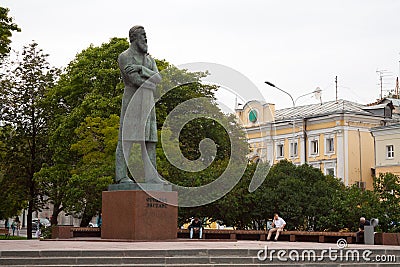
(31, 203)
(29, 218)
(23, 218)
(54, 216)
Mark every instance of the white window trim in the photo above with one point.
(331, 164)
(330, 168)
(310, 141)
(279, 143)
(327, 152)
(316, 165)
(387, 151)
(291, 148)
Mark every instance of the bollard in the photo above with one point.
(369, 232)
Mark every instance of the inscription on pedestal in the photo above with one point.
(154, 203)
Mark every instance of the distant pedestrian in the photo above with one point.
(39, 229)
(18, 225)
(99, 220)
(277, 226)
(13, 227)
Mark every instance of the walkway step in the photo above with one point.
(189, 257)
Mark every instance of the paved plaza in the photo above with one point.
(98, 244)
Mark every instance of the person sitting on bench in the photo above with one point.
(277, 226)
(196, 225)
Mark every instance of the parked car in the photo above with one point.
(43, 222)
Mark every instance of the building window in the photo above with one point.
(280, 151)
(330, 171)
(330, 168)
(253, 115)
(316, 166)
(330, 145)
(293, 149)
(314, 147)
(390, 151)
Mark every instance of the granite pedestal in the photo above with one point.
(136, 215)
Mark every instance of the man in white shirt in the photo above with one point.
(277, 226)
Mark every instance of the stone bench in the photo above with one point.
(227, 234)
(320, 237)
(261, 235)
(69, 231)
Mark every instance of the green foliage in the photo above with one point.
(7, 26)
(97, 139)
(12, 180)
(24, 84)
(239, 207)
(387, 186)
(302, 195)
(359, 203)
(53, 183)
(46, 232)
(11, 237)
(177, 87)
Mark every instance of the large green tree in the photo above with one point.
(387, 187)
(23, 87)
(12, 179)
(7, 26)
(240, 208)
(305, 197)
(95, 171)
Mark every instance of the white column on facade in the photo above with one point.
(270, 150)
(302, 149)
(346, 157)
(340, 153)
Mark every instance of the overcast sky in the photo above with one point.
(297, 45)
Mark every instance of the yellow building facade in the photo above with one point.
(334, 136)
(387, 149)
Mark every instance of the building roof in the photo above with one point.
(241, 107)
(395, 101)
(386, 127)
(331, 107)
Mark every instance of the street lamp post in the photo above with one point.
(318, 90)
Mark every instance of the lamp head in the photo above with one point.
(270, 84)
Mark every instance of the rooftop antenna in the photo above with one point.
(236, 104)
(382, 74)
(336, 88)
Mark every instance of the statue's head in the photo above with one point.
(137, 36)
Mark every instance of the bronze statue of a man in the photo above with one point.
(140, 76)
